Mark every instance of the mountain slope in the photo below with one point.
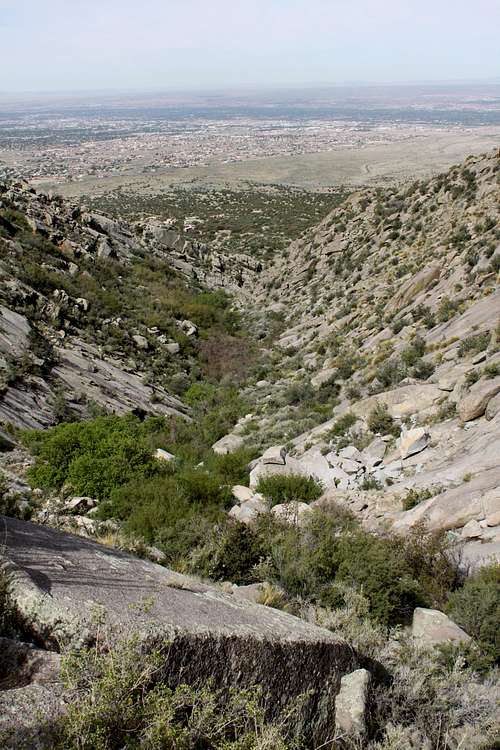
(98, 315)
(390, 328)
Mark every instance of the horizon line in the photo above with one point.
(254, 87)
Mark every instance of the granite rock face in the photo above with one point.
(62, 587)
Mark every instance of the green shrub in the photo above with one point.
(474, 344)
(414, 352)
(170, 509)
(390, 373)
(342, 425)
(93, 457)
(289, 488)
(476, 608)
(230, 553)
(447, 309)
(394, 574)
(413, 497)
(299, 393)
(379, 420)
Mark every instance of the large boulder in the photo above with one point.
(276, 454)
(493, 407)
(474, 405)
(351, 703)
(402, 401)
(413, 441)
(63, 588)
(432, 627)
(248, 510)
(414, 286)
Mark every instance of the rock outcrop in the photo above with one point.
(63, 588)
(432, 627)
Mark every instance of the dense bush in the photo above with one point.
(474, 344)
(394, 575)
(112, 459)
(476, 608)
(342, 425)
(379, 420)
(93, 457)
(229, 552)
(413, 352)
(414, 496)
(290, 488)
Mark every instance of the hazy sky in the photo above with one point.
(98, 44)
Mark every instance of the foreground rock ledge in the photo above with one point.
(63, 587)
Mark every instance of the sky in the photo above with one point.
(73, 45)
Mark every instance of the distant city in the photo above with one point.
(69, 139)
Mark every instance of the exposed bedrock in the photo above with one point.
(64, 587)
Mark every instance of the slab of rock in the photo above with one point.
(351, 703)
(141, 342)
(477, 317)
(454, 508)
(350, 467)
(163, 455)
(82, 503)
(316, 466)
(14, 332)
(402, 401)
(493, 408)
(392, 470)
(228, 444)
(413, 441)
(63, 586)
(352, 453)
(373, 455)
(472, 530)
(248, 511)
(323, 377)
(433, 627)
(173, 348)
(241, 493)
(414, 286)
(276, 454)
(252, 592)
(22, 664)
(474, 405)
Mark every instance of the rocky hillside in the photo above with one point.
(384, 380)
(100, 315)
(325, 441)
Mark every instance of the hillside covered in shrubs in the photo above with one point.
(318, 433)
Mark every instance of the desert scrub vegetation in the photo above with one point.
(309, 563)
(476, 608)
(259, 221)
(149, 299)
(288, 489)
(474, 344)
(381, 421)
(414, 497)
(112, 459)
(120, 702)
